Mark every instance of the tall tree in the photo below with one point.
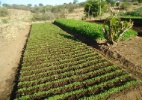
(29, 5)
(140, 1)
(75, 1)
(112, 2)
(94, 7)
(5, 5)
(40, 4)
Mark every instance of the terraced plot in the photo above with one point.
(58, 67)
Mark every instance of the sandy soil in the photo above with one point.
(11, 46)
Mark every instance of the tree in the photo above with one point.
(115, 29)
(5, 5)
(75, 1)
(94, 7)
(40, 4)
(70, 3)
(140, 1)
(3, 12)
(112, 2)
(29, 5)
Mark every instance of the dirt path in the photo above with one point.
(11, 46)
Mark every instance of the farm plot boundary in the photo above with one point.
(55, 67)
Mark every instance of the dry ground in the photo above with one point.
(12, 41)
(131, 51)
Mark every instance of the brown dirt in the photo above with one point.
(131, 50)
(135, 94)
(78, 13)
(129, 54)
(12, 40)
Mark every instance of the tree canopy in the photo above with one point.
(75, 1)
(94, 7)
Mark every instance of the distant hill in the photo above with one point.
(15, 14)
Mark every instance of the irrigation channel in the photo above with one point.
(56, 66)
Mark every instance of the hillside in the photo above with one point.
(15, 15)
(78, 13)
(21, 15)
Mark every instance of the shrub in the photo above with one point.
(91, 30)
(140, 1)
(115, 30)
(118, 4)
(128, 34)
(125, 5)
(42, 16)
(137, 12)
(4, 21)
(3, 12)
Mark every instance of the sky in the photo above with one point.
(36, 2)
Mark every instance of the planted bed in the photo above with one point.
(56, 66)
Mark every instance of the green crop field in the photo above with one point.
(57, 66)
(90, 30)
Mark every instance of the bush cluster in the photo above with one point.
(91, 30)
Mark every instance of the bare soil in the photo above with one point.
(131, 49)
(12, 40)
(134, 94)
(129, 55)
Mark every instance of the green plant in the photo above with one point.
(112, 2)
(4, 21)
(94, 8)
(3, 12)
(115, 29)
(125, 5)
(118, 4)
(92, 31)
(56, 66)
(140, 1)
(137, 12)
